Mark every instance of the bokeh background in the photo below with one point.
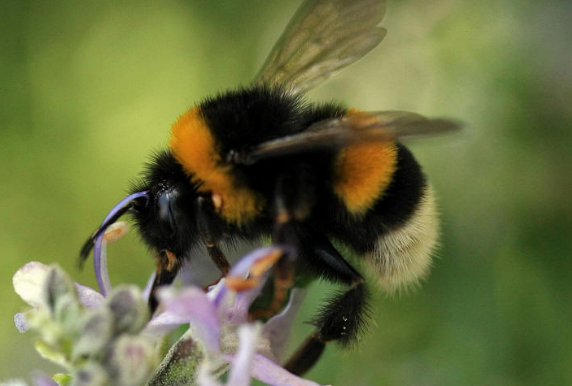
(89, 89)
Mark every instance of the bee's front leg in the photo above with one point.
(211, 234)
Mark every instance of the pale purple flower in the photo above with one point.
(218, 320)
(29, 282)
(99, 240)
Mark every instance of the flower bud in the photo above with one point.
(95, 333)
(91, 374)
(131, 360)
(129, 310)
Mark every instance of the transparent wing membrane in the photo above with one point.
(323, 37)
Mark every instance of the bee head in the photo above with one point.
(168, 219)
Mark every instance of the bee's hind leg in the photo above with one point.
(342, 317)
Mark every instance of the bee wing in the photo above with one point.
(336, 133)
(323, 37)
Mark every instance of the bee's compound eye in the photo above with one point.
(166, 210)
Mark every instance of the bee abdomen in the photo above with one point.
(402, 256)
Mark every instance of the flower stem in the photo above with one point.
(180, 365)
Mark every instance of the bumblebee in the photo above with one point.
(263, 161)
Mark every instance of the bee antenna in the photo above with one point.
(116, 212)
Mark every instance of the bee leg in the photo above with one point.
(168, 265)
(292, 200)
(284, 269)
(343, 316)
(211, 234)
(340, 321)
(294, 197)
(218, 257)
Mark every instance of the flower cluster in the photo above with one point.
(110, 340)
(96, 339)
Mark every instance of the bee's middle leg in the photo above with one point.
(293, 198)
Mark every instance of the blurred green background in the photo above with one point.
(89, 89)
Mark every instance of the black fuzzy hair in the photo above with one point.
(164, 172)
(344, 316)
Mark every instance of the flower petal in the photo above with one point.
(217, 292)
(242, 362)
(29, 283)
(190, 304)
(113, 233)
(89, 297)
(21, 322)
(149, 286)
(60, 294)
(273, 374)
(41, 379)
(242, 266)
(99, 261)
(164, 323)
(278, 328)
(100, 265)
(238, 313)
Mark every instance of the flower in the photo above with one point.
(219, 323)
(107, 338)
(96, 339)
